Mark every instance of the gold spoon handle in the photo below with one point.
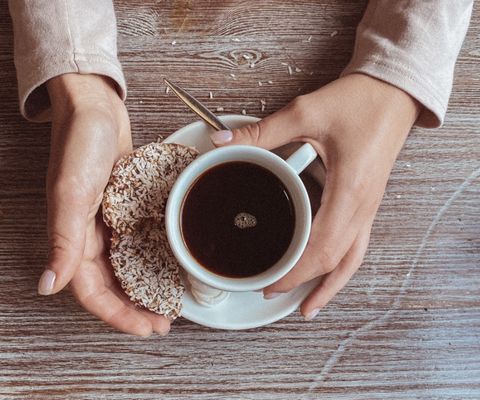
(198, 108)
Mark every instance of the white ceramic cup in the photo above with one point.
(209, 288)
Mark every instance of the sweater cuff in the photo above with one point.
(55, 37)
(413, 45)
(33, 95)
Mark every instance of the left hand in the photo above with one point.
(358, 125)
(90, 132)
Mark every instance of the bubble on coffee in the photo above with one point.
(245, 220)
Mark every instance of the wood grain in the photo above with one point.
(406, 327)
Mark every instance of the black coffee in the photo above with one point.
(237, 219)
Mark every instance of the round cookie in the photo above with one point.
(147, 269)
(134, 207)
(140, 183)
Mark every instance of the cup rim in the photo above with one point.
(175, 205)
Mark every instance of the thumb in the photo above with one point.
(273, 131)
(67, 225)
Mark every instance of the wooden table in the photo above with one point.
(407, 326)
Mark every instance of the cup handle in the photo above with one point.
(302, 158)
(205, 295)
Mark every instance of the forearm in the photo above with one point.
(54, 37)
(413, 45)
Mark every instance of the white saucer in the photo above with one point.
(248, 309)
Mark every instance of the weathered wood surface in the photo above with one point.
(408, 324)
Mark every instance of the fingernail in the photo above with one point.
(221, 137)
(269, 296)
(312, 314)
(45, 284)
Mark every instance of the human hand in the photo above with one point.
(358, 125)
(90, 132)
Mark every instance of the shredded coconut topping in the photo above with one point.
(134, 207)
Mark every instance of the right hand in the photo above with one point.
(358, 125)
(90, 132)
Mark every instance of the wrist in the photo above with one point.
(391, 101)
(71, 91)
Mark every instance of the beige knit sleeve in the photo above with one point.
(414, 46)
(53, 37)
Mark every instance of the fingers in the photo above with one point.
(109, 308)
(97, 290)
(81, 158)
(334, 229)
(273, 131)
(67, 222)
(111, 305)
(159, 323)
(333, 282)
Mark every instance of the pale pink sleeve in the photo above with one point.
(53, 37)
(414, 46)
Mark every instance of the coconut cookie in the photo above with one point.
(134, 207)
(147, 269)
(140, 183)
